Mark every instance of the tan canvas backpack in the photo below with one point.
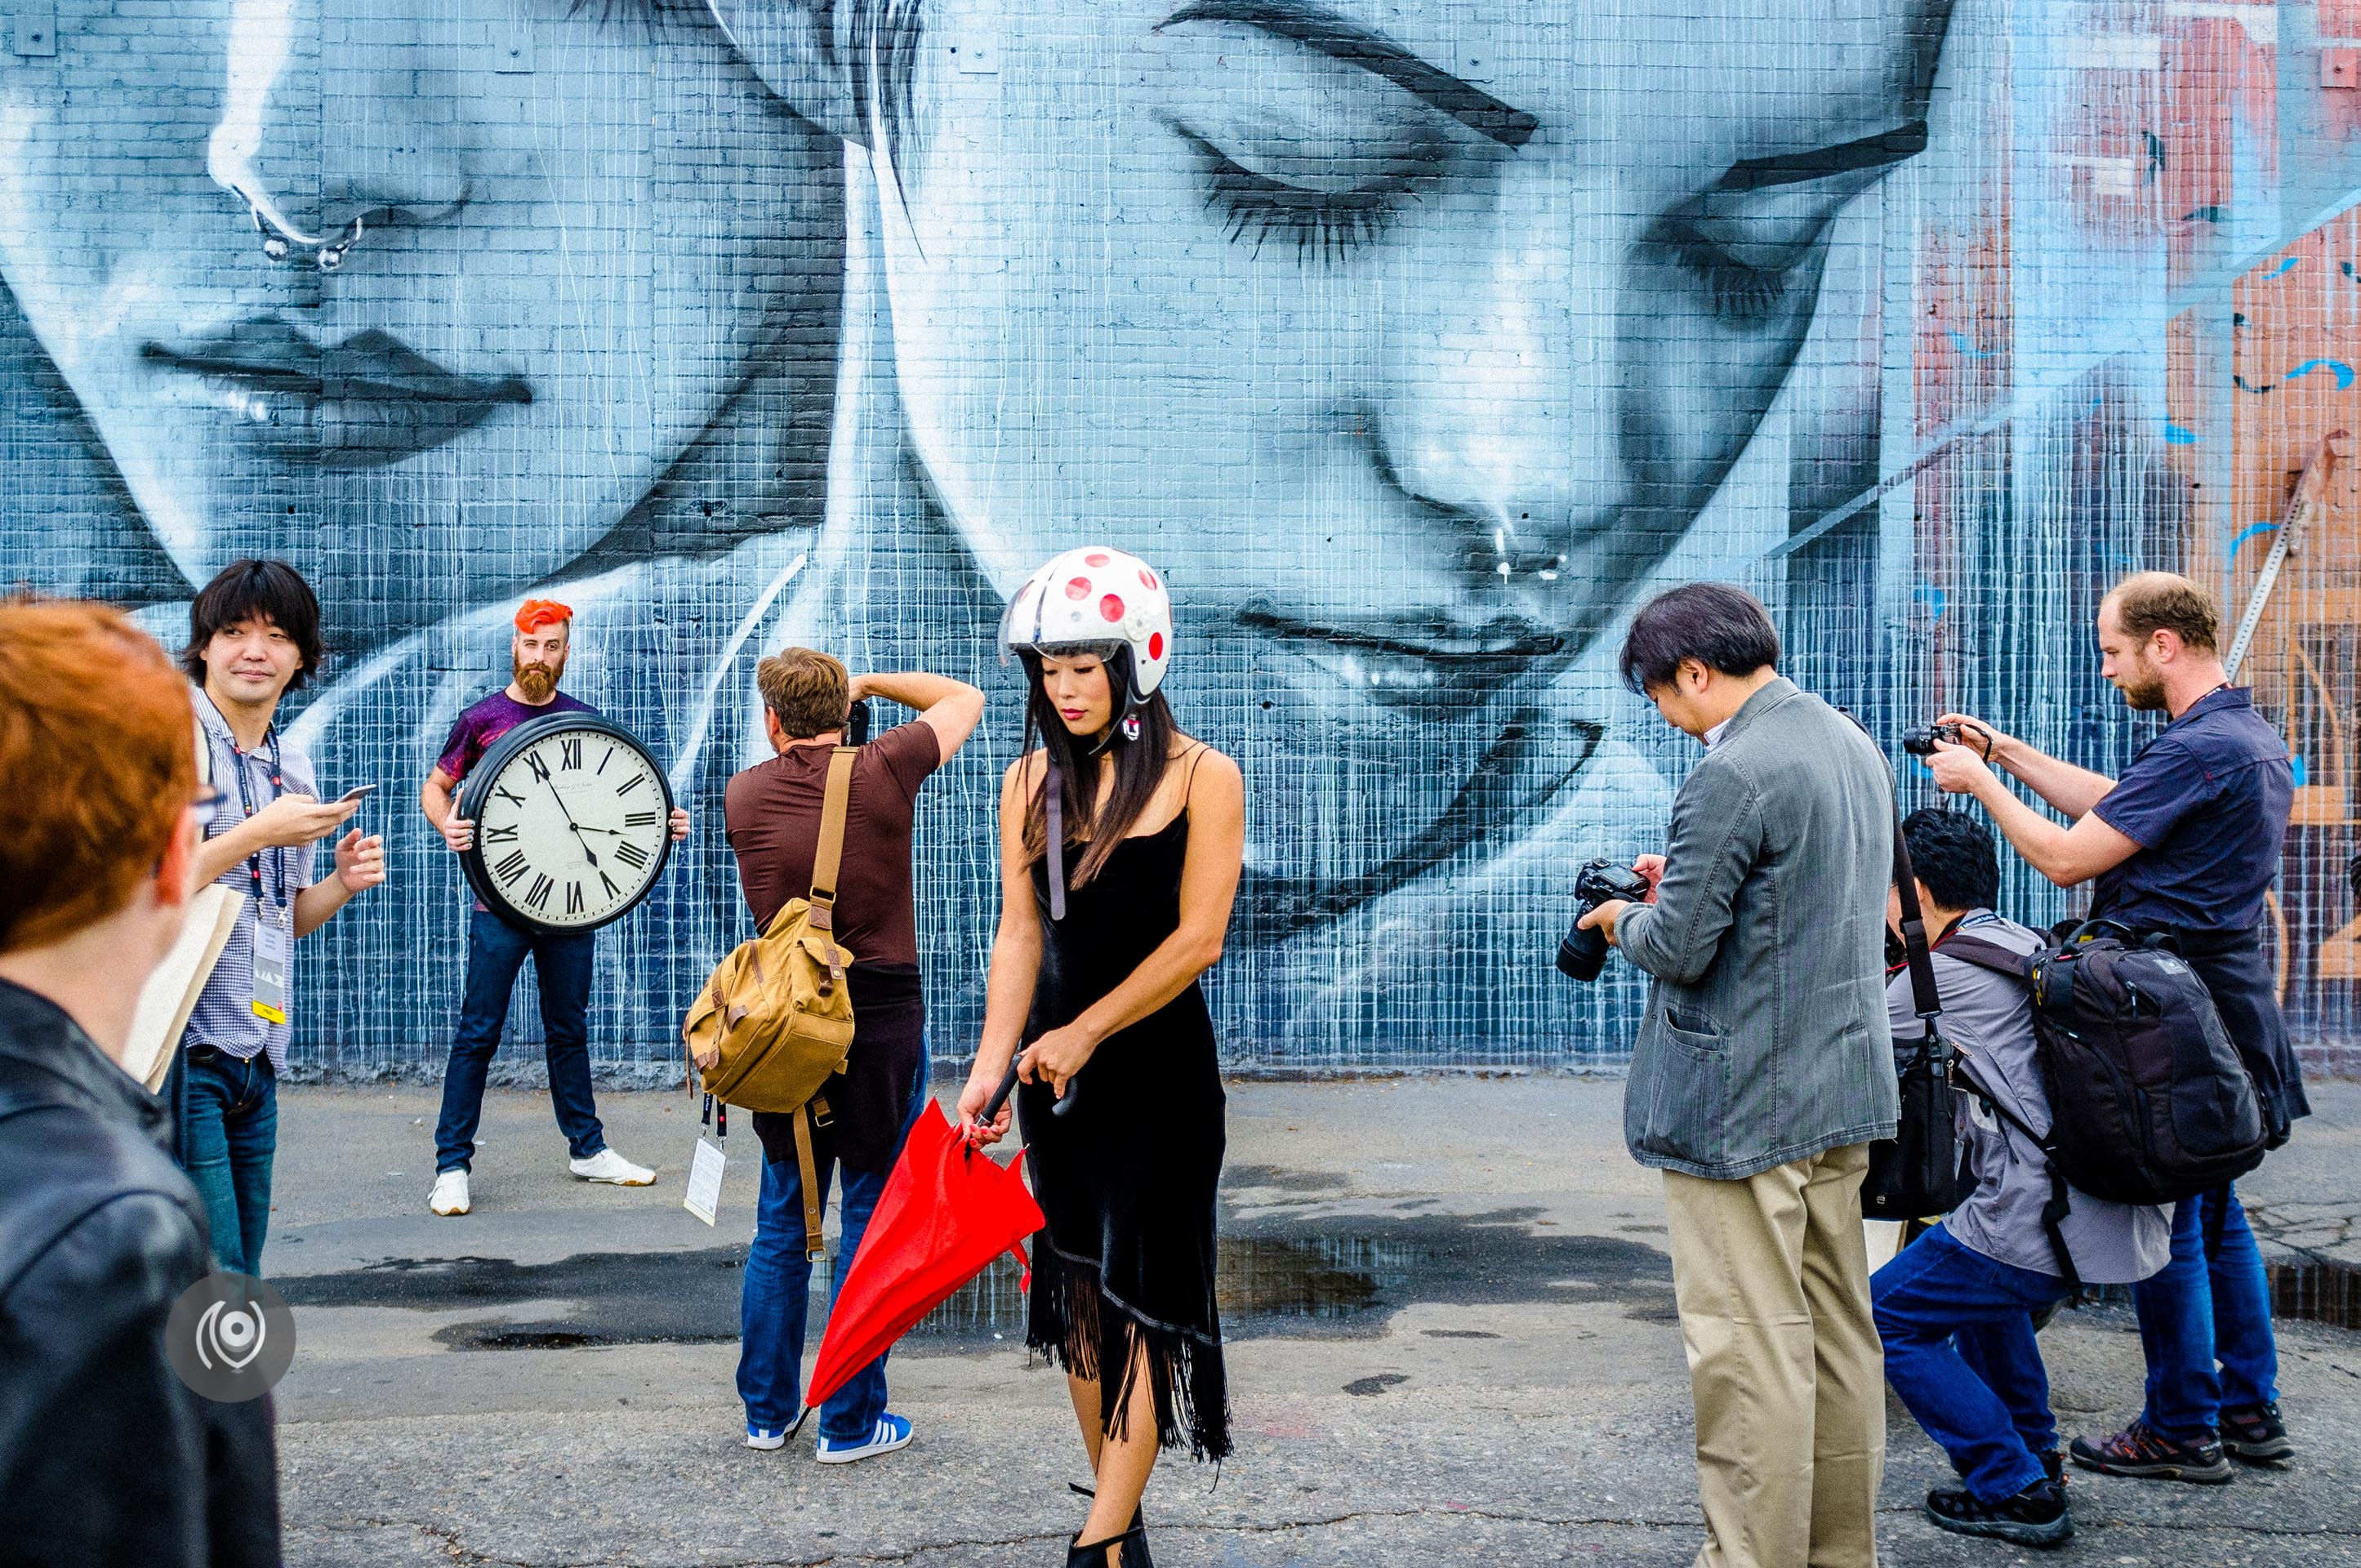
(777, 1009)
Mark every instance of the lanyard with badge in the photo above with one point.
(274, 912)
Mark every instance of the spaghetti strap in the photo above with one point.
(1190, 785)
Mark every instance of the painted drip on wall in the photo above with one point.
(1414, 341)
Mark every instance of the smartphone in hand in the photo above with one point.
(355, 793)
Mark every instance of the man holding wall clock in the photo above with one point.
(576, 821)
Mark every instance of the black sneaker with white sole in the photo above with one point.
(2256, 1435)
(2034, 1516)
(2141, 1451)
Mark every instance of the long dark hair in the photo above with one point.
(1138, 764)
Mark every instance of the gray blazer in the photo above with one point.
(1765, 1039)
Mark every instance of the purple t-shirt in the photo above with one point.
(486, 721)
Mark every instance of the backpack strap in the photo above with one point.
(1987, 955)
(2054, 1212)
(814, 1250)
(828, 860)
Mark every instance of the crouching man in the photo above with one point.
(1956, 1307)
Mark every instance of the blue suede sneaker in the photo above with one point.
(890, 1432)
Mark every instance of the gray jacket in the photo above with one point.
(1765, 1039)
(1988, 1016)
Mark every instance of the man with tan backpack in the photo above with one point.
(822, 835)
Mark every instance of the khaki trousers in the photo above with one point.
(1789, 1381)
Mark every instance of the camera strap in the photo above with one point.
(1914, 920)
(1913, 930)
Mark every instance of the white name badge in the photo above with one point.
(273, 948)
(705, 1180)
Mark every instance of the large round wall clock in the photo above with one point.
(573, 823)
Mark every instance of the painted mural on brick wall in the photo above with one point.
(1415, 339)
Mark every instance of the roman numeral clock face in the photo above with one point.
(571, 825)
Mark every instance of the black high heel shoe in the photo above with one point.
(1133, 1552)
(1135, 1541)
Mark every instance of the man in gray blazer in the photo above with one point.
(1763, 1069)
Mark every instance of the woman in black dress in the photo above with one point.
(1121, 840)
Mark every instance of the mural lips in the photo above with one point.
(364, 402)
(1411, 657)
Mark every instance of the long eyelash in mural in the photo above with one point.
(1328, 223)
(1741, 293)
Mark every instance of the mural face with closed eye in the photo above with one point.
(1436, 326)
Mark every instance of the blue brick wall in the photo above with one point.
(1414, 341)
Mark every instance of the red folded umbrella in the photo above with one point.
(947, 1212)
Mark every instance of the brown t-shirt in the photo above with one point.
(772, 814)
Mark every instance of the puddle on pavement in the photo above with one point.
(2317, 1293)
(1338, 1276)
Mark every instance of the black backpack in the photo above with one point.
(2150, 1102)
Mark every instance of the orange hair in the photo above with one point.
(535, 614)
(98, 759)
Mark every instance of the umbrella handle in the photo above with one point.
(1008, 1087)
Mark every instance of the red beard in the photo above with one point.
(538, 682)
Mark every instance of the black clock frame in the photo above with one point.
(478, 786)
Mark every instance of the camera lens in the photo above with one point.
(1582, 955)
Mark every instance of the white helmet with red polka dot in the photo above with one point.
(1095, 594)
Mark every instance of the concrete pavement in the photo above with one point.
(1452, 1341)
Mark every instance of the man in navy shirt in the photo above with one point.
(2187, 841)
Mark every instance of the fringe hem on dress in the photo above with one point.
(1071, 1322)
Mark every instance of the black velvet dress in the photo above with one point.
(1126, 1178)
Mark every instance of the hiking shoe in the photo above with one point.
(2150, 1455)
(2053, 1464)
(2034, 1516)
(890, 1432)
(2256, 1435)
(450, 1194)
(612, 1167)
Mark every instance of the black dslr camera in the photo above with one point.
(1920, 743)
(1584, 953)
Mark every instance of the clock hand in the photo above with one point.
(579, 843)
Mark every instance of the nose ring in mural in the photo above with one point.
(279, 244)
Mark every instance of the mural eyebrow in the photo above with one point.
(1339, 38)
(1794, 168)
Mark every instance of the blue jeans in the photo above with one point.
(229, 1131)
(496, 951)
(2210, 1303)
(774, 1305)
(1960, 1349)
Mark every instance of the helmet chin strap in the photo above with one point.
(1056, 835)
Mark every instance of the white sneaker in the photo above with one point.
(450, 1194)
(770, 1439)
(609, 1167)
